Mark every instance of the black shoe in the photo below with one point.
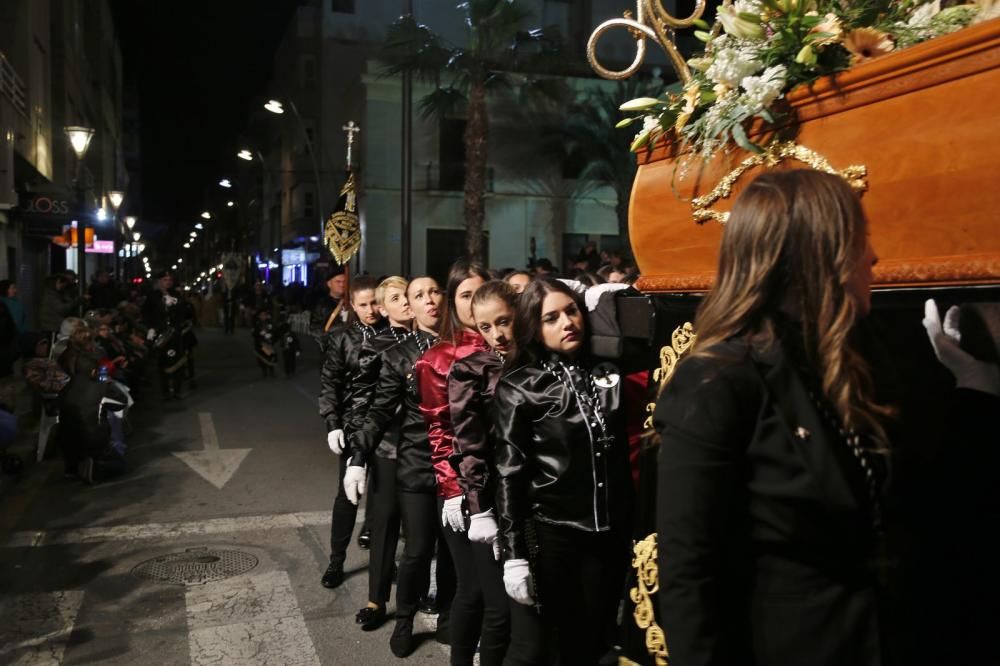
(334, 576)
(428, 605)
(443, 632)
(401, 642)
(370, 618)
(364, 538)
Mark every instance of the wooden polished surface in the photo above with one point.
(925, 124)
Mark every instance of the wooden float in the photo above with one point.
(923, 127)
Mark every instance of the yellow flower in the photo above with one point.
(692, 95)
(867, 43)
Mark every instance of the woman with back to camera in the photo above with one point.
(772, 444)
(562, 474)
(458, 339)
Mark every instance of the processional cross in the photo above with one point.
(351, 130)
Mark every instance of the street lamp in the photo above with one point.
(225, 183)
(199, 226)
(274, 106)
(79, 139)
(136, 235)
(130, 221)
(116, 197)
(206, 215)
(245, 155)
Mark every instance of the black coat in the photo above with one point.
(764, 520)
(553, 464)
(396, 403)
(362, 387)
(340, 363)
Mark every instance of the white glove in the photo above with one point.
(354, 483)
(969, 372)
(151, 334)
(335, 440)
(483, 529)
(451, 514)
(517, 581)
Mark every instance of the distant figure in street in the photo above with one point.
(290, 345)
(329, 308)
(263, 342)
(8, 296)
(58, 302)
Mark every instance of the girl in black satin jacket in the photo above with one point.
(562, 468)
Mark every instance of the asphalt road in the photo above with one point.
(237, 474)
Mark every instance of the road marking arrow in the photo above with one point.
(215, 465)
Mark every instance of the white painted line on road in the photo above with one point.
(208, 436)
(248, 620)
(36, 627)
(168, 530)
(215, 465)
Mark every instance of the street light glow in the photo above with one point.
(206, 215)
(225, 183)
(229, 204)
(194, 234)
(187, 246)
(199, 226)
(101, 214)
(130, 221)
(136, 235)
(274, 106)
(180, 260)
(116, 197)
(79, 139)
(245, 155)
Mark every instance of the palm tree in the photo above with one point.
(500, 56)
(589, 136)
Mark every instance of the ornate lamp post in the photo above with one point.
(79, 139)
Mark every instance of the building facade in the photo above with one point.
(61, 65)
(327, 66)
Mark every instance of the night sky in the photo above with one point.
(198, 68)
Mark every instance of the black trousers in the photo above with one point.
(580, 578)
(528, 643)
(383, 521)
(479, 612)
(342, 520)
(422, 522)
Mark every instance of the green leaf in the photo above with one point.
(698, 23)
(702, 35)
(812, 37)
(625, 122)
(740, 137)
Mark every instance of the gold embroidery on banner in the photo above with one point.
(647, 584)
(680, 341)
(856, 176)
(342, 231)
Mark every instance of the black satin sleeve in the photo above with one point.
(388, 394)
(333, 380)
(470, 387)
(512, 427)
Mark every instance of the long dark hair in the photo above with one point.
(793, 242)
(528, 347)
(461, 270)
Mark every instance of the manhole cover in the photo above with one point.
(195, 566)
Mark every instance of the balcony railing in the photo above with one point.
(12, 87)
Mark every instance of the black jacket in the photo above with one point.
(340, 364)
(472, 383)
(320, 314)
(552, 465)
(764, 520)
(395, 402)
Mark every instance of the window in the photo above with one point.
(451, 175)
(308, 206)
(308, 64)
(342, 6)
